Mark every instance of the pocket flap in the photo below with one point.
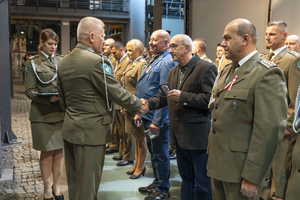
(237, 94)
(240, 145)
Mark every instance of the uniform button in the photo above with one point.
(216, 107)
(234, 95)
(214, 131)
(218, 95)
(215, 120)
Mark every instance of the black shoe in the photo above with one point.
(173, 156)
(110, 150)
(130, 172)
(138, 176)
(117, 158)
(48, 198)
(158, 196)
(60, 197)
(124, 163)
(147, 190)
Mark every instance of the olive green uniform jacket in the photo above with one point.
(248, 121)
(87, 94)
(289, 62)
(129, 82)
(42, 110)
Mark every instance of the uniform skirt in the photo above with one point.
(47, 136)
(130, 127)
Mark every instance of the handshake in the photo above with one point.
(145, 107)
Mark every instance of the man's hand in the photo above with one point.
(248, 189)
(174, 95)
(145, 108)
(154, 129)
(137, 120)
(54, 98)
(286, 133)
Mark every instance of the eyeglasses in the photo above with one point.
(174, 46)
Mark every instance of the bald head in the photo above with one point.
(239, 39)
(86, 26)
(293, 43)
(159, 41)
(106, 46)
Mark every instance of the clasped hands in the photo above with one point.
(145, 107)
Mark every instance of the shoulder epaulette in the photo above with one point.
(267, 63)
(294, 53)
(34, 56)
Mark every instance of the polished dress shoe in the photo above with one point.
(173, 156)
(129, 172)
(117, 158)
(110, 150)
(124, 163)
(48, 198)
(138, 176)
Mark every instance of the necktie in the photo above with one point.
(50, 58)
(270, 55)
(233, 68)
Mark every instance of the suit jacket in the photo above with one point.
(248, 121)
(289, 62)
(42, 110)
(190, 117)
(119, 69)
(82, 92)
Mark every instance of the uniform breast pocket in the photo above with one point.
(45, 74)
(154, 75)
(236, 100)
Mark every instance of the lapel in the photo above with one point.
(240, 72)
(279, 56)
(46, 61)
(189, 70)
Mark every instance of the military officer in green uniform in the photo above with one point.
(287, 61)
(199, 48)
(248, 117)
(87, 89)
(107, 51)
(46, 115)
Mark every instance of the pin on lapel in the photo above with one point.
(229, 85)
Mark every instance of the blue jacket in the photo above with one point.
(147, 86)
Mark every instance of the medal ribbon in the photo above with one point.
(147, 71)
(228, 87)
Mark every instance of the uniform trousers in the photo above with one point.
(230, 191)
(192, 169)
(84, 165)
(115, 143)
(160, 159)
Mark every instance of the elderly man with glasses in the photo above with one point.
(191, 82)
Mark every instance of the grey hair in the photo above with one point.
(185, 39)
(86, 26)
(281, 24)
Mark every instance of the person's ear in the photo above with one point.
(91, 37)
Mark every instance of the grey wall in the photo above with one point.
(209, 18)
(137, 18)
(288, 11)
(176, 26)
(65, 35)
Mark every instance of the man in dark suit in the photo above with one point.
(87, 89)
(192, 81)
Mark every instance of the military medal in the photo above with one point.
(55, 66)
(228, 87)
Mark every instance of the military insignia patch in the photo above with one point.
(143, 68)
(27, 68)
(299, 64)
(107, 69)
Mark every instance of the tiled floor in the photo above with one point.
(116, 185)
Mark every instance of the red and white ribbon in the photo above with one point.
(228, 87)
(147, 71)
(55, 66)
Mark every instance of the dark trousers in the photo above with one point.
(160, 159)
(192, 169)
